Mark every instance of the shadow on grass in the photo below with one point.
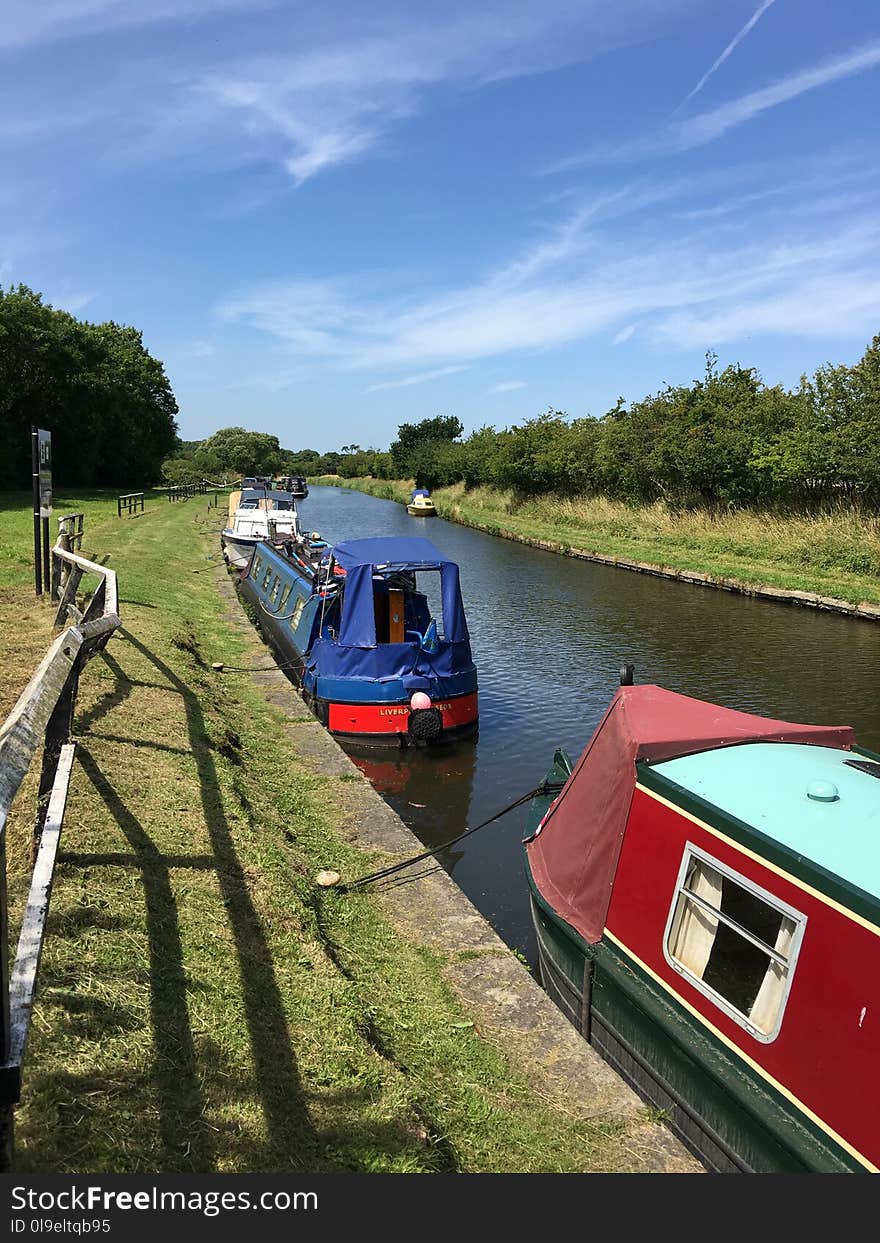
(276, 1076)
(181, 1103)
(195, 1116)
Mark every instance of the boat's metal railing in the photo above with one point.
(43, 716)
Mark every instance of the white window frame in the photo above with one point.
(692, 851)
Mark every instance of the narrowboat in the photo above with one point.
(374, 634)
(420, 504)
(255, 515)
(705, 889)
(296, 485)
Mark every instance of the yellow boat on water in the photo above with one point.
(420, 504)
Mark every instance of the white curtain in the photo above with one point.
(693, 933)
(765, 1010)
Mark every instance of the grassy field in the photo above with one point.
(835, 554)
(202, 1006)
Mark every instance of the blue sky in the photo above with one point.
(328, 219)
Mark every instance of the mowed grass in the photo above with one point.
(202, 1005)
(835, 552)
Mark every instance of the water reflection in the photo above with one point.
(432, 795)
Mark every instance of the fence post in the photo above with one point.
(38, 544)
(57, 562)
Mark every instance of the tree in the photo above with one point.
(180, 470)
(103, 396)
(413, 437)
(235, 451)
(844, 409)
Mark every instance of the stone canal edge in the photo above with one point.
(808, 599)
(505, 1002)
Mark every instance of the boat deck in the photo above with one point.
(765, 784)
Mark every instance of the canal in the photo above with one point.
(549, 635)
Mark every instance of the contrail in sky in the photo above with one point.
(732, 46)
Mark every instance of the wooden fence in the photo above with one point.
(186, 490)
(131, 502)
(44, 715)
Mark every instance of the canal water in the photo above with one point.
(549, 634)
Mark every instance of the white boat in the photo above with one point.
(255, 516)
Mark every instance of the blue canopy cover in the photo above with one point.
(361, 560)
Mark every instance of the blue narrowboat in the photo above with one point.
(373, 632)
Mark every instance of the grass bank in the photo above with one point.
(202, 1006)
(834, 554)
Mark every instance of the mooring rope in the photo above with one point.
(290, 664)
(383, 873)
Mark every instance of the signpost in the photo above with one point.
(41, 459)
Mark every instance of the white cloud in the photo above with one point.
(699, 130)
(706, 127)
(74, 302)
(681, 290)
(352, 79)
(731, 47)
(423, 378)
(26, 22)
(303, 88)
(827, 306)
(507, 386)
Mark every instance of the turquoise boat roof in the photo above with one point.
(765, 785)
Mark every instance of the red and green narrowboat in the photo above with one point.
(705, 888)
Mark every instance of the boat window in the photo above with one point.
(737, 943)
(273, 594)
(405, 603)
(266, 578)
(428, 586)
(285, 596)
(256, 567)
(297, 612)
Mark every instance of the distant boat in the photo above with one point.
(420, 504)
(375, 636)
(705, 890)
(296, 485)
(255, 515)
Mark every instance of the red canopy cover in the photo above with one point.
(573, 857)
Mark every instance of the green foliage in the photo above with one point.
(180, 470)
(418, 444)
(235, 451)
(106, 400)
(358, 463)
(727, 440)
